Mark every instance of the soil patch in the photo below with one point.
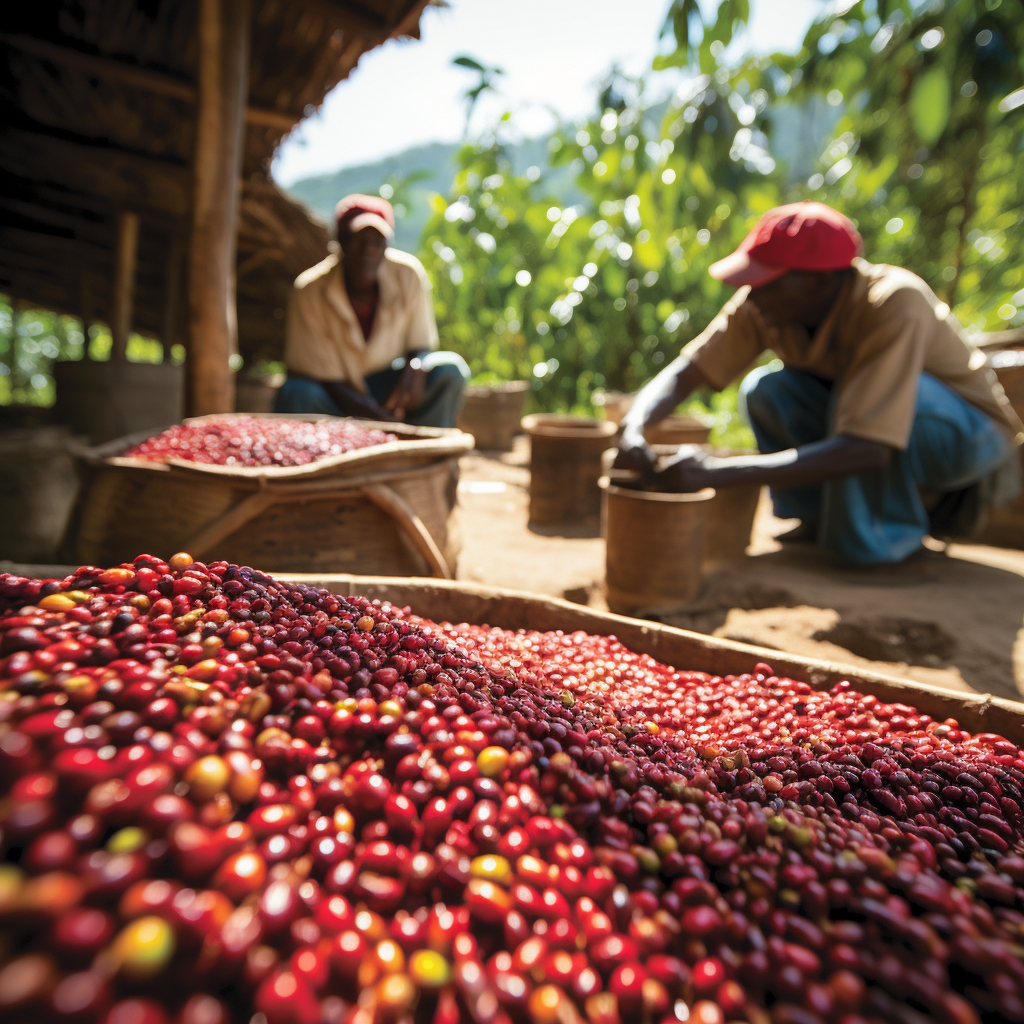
(885, 639)
(952, 617)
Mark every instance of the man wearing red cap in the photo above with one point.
(882, 423)
(360, 338)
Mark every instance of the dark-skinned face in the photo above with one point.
(798, 297)
(363, 251)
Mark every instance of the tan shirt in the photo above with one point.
(323, 339)
(886, 328)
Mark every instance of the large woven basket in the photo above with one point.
(385, 510)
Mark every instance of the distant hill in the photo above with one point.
(436, 162)
(798, 134)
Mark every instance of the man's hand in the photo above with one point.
(352, 402)
(408, 392)
(635, 453)
(688, 470)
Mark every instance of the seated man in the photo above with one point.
(881, 422)
(360, 337)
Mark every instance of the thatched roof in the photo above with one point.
(97, 116)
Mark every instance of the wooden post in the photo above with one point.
(220, 124)
(85, 305)
(171, 320)
(125, 259)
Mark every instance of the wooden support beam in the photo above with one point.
(87, 308)
(139, 78)
(224, 27)
(126, 254)
(171, 321)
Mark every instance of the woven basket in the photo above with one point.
(678, 430)
(654, 547)
(565, 465)
(387, 509)
(491, 413)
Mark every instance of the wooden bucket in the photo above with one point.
(565, 465)
(615, 404)
(37, 489)
(388, 507)
(730, 514)
(255, 393)
(678, 430)
(1006, 525)
(112, 399)
(654, 547)
(730, 522)
(492, 413)
(730, 518)
(508, 609)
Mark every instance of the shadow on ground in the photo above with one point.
(944, 620)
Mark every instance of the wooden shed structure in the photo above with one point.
(135, 142)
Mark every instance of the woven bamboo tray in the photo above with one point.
(386, 510)
(509, 609)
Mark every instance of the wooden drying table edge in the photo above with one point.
(456, 601)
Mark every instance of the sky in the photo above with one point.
(553, 55)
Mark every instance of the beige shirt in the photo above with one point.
(885, 328)
(323, 338)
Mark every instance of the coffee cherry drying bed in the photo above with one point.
(281, 491)
(229, 798)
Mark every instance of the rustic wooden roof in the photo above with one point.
(97, 116)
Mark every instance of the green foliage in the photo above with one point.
(31, 340)
(486, 78)
(924, 157)
(585, 267)
(602, 293)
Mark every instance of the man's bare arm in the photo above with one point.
(352, 402)
(831, 459)
(655, 400)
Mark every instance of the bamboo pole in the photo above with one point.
(220, 123)
(123, 298)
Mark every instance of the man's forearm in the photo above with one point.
(352, 402)
(660, 396)
(831, 459)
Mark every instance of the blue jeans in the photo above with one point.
(878, 517)
(447, 374)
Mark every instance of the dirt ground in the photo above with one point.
(953, 617)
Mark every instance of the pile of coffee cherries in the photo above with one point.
(228, 799)
(254, 441)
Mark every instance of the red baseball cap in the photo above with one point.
(800, 236)
(355, 212)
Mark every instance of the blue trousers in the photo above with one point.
(447, 374)
(879, 517)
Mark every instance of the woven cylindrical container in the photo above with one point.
(678, 430)
(731, 513)
(730, 522)
(491, 413)
(565, 465)
(654, 547)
